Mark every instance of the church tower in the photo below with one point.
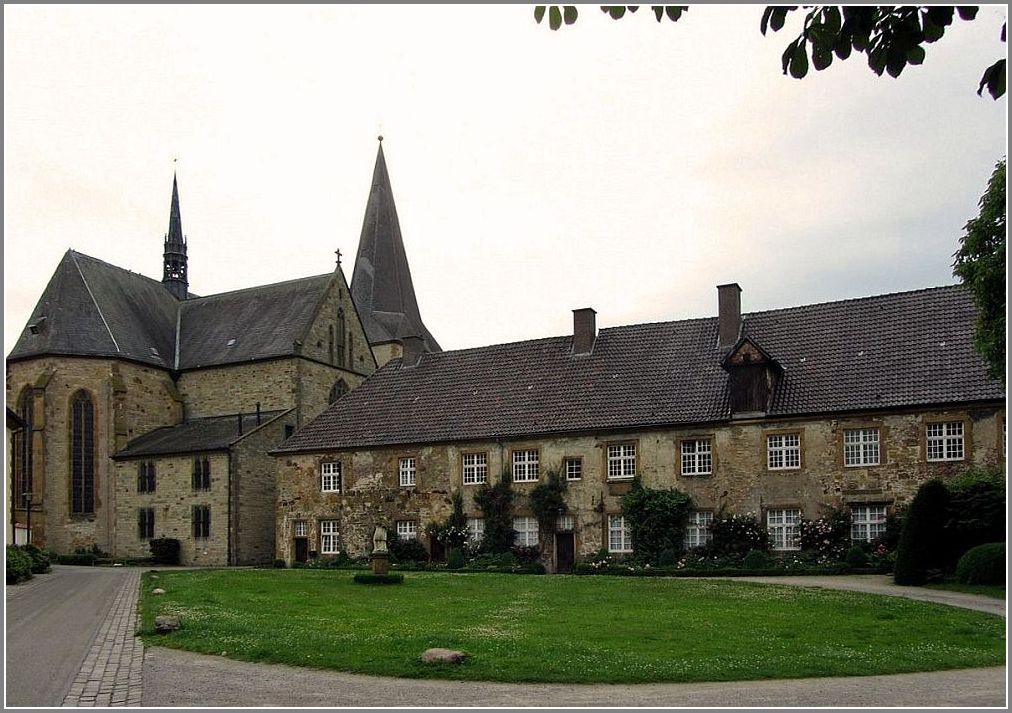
(174, 258)
(381, 283)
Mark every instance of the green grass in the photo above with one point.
(996, 591)
(563, 629)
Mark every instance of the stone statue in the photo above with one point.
(379, 540)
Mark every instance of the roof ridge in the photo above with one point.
(847, 300)
(257, 287)
(73, 257)
(75, 254)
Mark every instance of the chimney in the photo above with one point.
(728, 314)
(584, 330)
(411, 351)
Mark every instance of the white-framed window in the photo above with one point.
(860, 446)
(407, 529)
(475, 468)
(330, 477)
(867, 522)
(697, 457)
(300, 528)
(475, 529)
(784, 527)
(573, 468)
(564, 523)
(328, 537)
(407, 472)
(619, 537)
(783, 451)
(526, 531)
(526, 466)
(697, 529)
(945, 441)
(621, 461)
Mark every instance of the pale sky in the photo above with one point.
(626, 166)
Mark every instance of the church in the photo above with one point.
(148, 411)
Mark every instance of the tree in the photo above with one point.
(980, 264)
(891, 37)
(922, 540)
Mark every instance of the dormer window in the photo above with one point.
(753, 377)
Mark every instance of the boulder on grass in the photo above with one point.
(158, 590)
(166, 624)
(443, 656)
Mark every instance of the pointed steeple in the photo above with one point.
(381, 284)
(174, 257)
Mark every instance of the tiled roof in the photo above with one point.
(199, 435)
(903, 349)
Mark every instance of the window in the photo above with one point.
(783, 452)
(564, 523)
(697, 530)
(475, 529)
(867, 522)
(621, 461)
(146, 477)
(697, 457)
(475, 468)
(22, 450)
(945, 441)
(201, 522)
(860, 446)
(146, 523)
(289, 431)
(201, 474)
(525, 466)
(340, 329)
(328, 537)
(407, 472)
(82, 454)
(339, 389)
(784, 527)
(300, 528)
(573, 468)
(330, 477)
(407, 529)
(526, 531)
(619, 537)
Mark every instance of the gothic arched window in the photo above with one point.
(338, 390)
(341, 328)
(82, 454)
(22, 448)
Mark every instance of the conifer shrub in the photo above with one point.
(976, 511)
(454, 559)
(856, 557)
(984, 564)
(922, 540)
(19, 565)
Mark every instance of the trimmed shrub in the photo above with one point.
(164, 550)
(922, 540)
(279, 564)
(656, 520)
(755, 559)
(40, 559)
(84, 559)
(455, 559)
(857, 557)
(667, 558)
(403, 550)
(369, 578)
(976, 511)
(19, 565)
(984, 564)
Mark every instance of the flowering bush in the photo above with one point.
(737, 534)
(829, 535)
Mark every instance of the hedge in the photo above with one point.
(19, 565)
(984, 564)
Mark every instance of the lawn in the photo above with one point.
(563, 629)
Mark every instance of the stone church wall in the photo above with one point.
(173, 501)
(740, 481)
(128, 399)
(224, 390)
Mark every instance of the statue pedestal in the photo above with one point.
(380, 562)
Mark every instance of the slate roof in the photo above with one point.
(92, 308)
(199, 435)
(381, 283)
(897, 350)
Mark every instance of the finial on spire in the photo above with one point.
(338, 253)
(380, 138)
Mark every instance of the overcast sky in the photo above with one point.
(627, 166)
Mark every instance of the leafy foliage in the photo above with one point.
(857, 557)
(756, 559)
(452, 532)
(164, 550)
(40, 559)
(980, 264)
(406, 550)
(922, 541)
(656, 520)
(984, 564)
(735, 535)
(19, 565)
(829, 535)
(548, 500)
(496, 504)
(370, 578)
(891, 37)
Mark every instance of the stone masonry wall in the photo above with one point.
(219, 391)
(741, 481)
(129, 400)
(173, 500)
(356, 356)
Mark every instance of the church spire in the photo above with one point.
(174, 258)
(381, 283)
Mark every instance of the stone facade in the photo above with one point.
(740, 481)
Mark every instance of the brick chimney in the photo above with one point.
(728, 314)
(584, 330)
(411, 351)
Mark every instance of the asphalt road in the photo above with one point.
(51, 622)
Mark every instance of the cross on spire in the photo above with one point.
(338, 253)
